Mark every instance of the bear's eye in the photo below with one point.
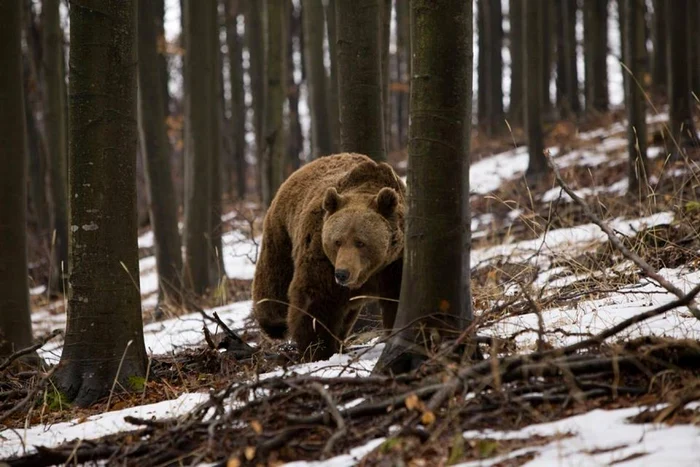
(359, 243)
(338, 243)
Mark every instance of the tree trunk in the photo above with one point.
(36, 148)
(482, 107)
(56, 135)
(659, 73)
(491, 66)
(595, 17)
(155, 150)
(403, 61)
(333, 82)
(15, 321)
(360, 78)
(532, 60)
(385, 25)
(636, 55)
(435, 290)
(680, 98)
(316, 78)
(567, 76)
(162, 59)
(517, 87)
(238, 109)
(295, 138)
(275, 68)
(255, 42)
(199, 102)
(547, 56)
(216, 264)
(104, 332)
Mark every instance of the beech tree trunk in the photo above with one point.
(595, 29)
(636, 55)
(679, 62)
(275, 95)
(155, 150)
(104, 332)
(316, 79)
(56, 136)
(435, 292)
(333, 103)
(385, 25)
(490, 66)
(532, 60)
(517, 86)
(403, 61)
(199, 102)
(238, 109)
(255, 43)
(295, 138)
(568, 100)
(216, 264)
(659, 70)
(360, 78)
(15, 321)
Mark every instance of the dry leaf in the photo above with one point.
(256, 426)
(428, 418)
(412, 402)
(233, 462)
(249, 452)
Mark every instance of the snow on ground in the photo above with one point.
(598, 437)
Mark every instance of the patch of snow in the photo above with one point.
(37, 290)
(22, 441)
(601, 437)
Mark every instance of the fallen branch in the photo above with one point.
(339, 422)
(30, 395)
(33, 348)
(617, 243)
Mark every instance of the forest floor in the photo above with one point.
(583, 356)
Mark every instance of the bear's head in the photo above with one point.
(361, 233)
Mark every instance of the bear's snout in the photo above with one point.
(342, 276)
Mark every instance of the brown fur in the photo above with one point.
(341, 212)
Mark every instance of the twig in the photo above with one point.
(30, 396)
(339, 422)
(21, 353)
(615, 241)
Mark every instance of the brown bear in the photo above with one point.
(335, 230)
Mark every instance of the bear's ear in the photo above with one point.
(332, 200)
(386, 201)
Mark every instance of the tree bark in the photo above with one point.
(660, 56)
(295, 138)
(403, 45)
(56, 135)
(275, 69)
(162, 54)
(333, 103)
(238, 108)
(199, 102)
(490, 21)
(360, 78)
(435, 293)
(517, 105)
(595, 16)
(255, 42)
(385, 25)
(155, 150)
(316, 79)
(636, 55)
(568, 100)
(15, 321)
(532, 61)
(679, 57)
(217, 271)
(104, 332)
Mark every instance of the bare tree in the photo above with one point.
(595, 29)
(385, 7)
(255, 43)
(15, 322)
(104, 332)
(435, 291)
(275, 83)
(316, 79)
(360, 78)
(636, 55)
(216, 263)
(490, 20)
(403, 65)
(679, 85)
(199, 102)
(233, 9)
(659, 68)
(56, 137)
(567, 76)
(532, 61)
(295, 137)
(155, 151)
(333, 103)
